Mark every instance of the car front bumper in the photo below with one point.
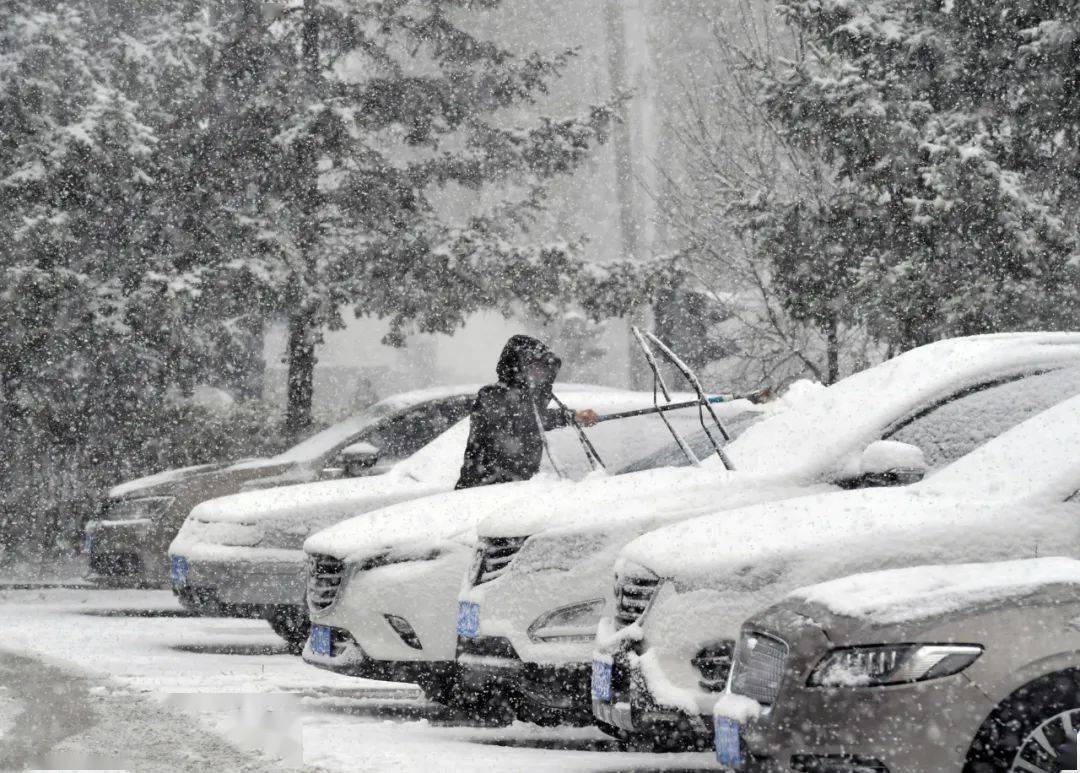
(917, 728)
(125, 552)
(633, 711)
(241, 588)
(490, 665)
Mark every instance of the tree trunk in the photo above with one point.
(832, 349)
(303, 322)
(301, 353)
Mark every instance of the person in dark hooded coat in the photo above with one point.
(508, 419)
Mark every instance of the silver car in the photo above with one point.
(965, 667)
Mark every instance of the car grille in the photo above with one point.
(633, 592)
(325, 575)
(759, 666)
(495, 555)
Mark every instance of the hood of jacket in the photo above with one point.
(515, 365)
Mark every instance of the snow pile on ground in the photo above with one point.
(913, 593)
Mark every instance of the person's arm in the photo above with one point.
(556, 417)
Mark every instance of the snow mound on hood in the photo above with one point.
(919, 592)
(852, 413)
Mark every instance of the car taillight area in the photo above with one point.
(494, 556)
(325, 575)
(634, 592)
(759, 667)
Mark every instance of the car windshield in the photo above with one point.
(672, 454)
(330, 438)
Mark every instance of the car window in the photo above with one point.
(672, 455)
(406, 433)
(965, 421)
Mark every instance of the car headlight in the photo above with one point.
(575, 622)
(885, 664)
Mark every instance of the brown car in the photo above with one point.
(127, 543)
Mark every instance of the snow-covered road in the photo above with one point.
(125, 679)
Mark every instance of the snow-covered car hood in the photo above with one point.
(922, 593)
(812, 434)
(150, 484)
(1021, 473)
(815, 438)
(431, 519)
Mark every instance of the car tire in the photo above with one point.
(1007, 732)
(293, 625)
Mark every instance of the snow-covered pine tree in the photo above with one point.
(948, 240)
(393, 124)
(91, 307)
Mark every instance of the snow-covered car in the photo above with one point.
(684, 590)
(382, 588)
(128, 541)
(970, 667)
(242, 556)
(542, 578)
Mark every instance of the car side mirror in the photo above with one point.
(352, 461)
(890, 463)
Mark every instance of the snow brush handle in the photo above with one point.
(760, 396)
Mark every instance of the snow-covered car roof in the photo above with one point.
(811, 439)
(919, 592)
(322, 443)
(159, 479)
(1018, 473)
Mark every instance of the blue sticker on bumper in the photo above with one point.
(321, 641)
(179, 570)
(468, 619)
(726, 739)
(601, 681)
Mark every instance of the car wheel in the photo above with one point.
(1033, 730)
(293, 625)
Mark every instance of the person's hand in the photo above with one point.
(586, 417)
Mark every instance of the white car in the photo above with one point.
(664, 658)
(383, 587)
(530, 608)
(241, 555)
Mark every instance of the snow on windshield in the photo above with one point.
(1040, 457)
(851, 413)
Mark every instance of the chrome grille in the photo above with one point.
(494, 557)
(633, 593)
(759, 667)
(325, 575)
